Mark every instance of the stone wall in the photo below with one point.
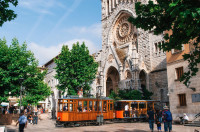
(158, 85)
(176, 87)
(5, 119)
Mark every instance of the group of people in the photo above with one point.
(133, 112)
(159, 117)
(31, 118)
(8, 110)
(164, 116)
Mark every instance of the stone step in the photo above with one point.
(196, 122)
(192, 124)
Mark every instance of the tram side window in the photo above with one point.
(104, 106)
(60, 107)
(118, 106)
(100, 105)
(85, 106)
(71, 108)
(79, 106)
(111, 105)
(65, 107)
(142, 106)
(90, 106)
(95, 105)
(134, 105)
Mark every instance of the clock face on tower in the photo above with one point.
(123, 30)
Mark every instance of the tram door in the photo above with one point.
(119, 110)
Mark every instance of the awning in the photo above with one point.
(16, 104)
(4, 104)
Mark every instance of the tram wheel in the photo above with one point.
(65, 125)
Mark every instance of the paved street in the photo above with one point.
(47, 125)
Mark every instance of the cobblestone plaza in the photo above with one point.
(47, 125)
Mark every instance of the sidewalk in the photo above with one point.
(48, 125)
(14, 128)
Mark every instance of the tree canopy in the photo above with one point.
(18, 67)
(75, 69)
(131, 95)
(182, 17)
(7, 14)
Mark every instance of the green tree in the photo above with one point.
(7, 14)
(130, 94)
(126, 94)
(146, 94)
(182, 17)
(19, 67)
(75, 69)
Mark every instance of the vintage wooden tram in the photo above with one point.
(74, 110)
(137, 109)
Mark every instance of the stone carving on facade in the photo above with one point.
(110, 58)
(123, 30)
(126, 64)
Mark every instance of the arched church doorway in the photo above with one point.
(142, 77)
(112, 80)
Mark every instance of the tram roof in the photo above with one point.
(137, 101)
(76, 97)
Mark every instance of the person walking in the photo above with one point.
(167, 118)
(158, 124)
(22, 122)
(151, 117)
(126, 110)
(160, 116)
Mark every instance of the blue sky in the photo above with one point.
(46, 25)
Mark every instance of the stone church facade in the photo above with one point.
(130, 57)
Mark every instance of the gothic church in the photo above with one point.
(130, 57)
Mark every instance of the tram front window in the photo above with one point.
(60, 107)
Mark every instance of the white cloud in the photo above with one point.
(44, 54)
(94, 29)
(40, 6)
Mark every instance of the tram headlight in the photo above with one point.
(58, 118)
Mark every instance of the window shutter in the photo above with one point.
(172, 51)
(182, 47)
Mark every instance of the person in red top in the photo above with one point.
(167, 119)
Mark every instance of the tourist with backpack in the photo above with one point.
(151, 117)
(167, 119)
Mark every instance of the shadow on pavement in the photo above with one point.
(135, 130)
(94, 131)
(11, 130)
(123, 130)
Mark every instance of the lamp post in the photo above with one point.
(21, 88)
(99, 96)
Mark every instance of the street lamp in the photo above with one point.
(21, 89)
(100, 117)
